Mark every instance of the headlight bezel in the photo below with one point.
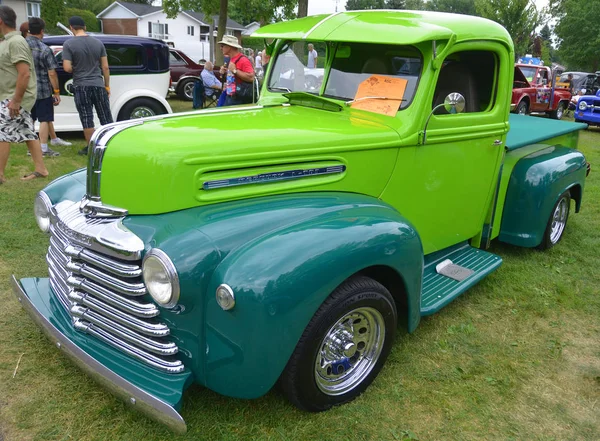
(42, 201)
(171, 273)
(582, 105)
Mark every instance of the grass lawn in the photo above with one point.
(517, 357)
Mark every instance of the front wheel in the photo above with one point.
(557, 222)
(343, 348)
(140, 108)
(559, 112)
(523, 108)
(185, 90)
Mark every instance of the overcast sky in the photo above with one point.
(327, 6)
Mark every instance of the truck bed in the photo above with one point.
(526, 130)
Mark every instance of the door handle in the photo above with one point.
(497, 142)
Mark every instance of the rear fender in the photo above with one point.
(535, 185)
(282, 277)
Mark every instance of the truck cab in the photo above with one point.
(285, 242)
(535, 90)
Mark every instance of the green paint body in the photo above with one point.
(284, 246)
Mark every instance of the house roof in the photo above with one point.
(199, 16)
(138, 9)
(141, 10)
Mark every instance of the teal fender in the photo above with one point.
(535, 185)
(70, 187)
(282, 256)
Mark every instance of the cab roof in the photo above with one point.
(387, 27)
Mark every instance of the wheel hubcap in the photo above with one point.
(142, 112)
(188, 90)
(559, 220)
(349, 351)
(559, 112)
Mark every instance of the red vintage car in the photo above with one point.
(184, 73)
(534, 90)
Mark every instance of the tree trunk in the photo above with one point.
(302, 8)
(212, 47)
(222, 26)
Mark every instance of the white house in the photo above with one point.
(24, 9)
(189, 31)
(250, 28)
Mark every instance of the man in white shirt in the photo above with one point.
(312, 57)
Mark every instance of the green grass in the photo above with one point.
(515, 358)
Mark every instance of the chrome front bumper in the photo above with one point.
(36, 297)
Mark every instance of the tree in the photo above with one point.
(578, 38)
(545, 33)
(519, 17)
(263, 11)
(95, 6)
(466, 7)
(52, 12)
(353, 5)
(302, 8)
(415, 5)
(395, 4)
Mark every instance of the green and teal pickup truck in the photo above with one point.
(286, 241)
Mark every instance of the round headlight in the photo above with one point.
(41, 211)
(160, 277)
(225, 297)
(582, 105)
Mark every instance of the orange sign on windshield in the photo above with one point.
(380, 94)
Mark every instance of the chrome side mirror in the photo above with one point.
(453, 103)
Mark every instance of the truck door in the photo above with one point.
(543, 90)
(449, 186)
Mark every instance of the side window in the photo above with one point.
(124, 56)
(175, 59)
(472, 74)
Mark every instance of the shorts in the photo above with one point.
(43, 110)
(19, 129)
(86, 99)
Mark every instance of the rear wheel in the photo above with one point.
(185, 90)
(559, 112)
(523, 108)
(343, 348)
(140, 108)
(557, 222)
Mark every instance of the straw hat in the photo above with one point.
(230, 40)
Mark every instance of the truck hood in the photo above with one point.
(225, 154)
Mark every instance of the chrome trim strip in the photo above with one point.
(131, 306)
(144, 402)
(319, 24)
(157, 347)
(267, 178)
(129, 289)
(100, 261)
(174, 367)
(134, 323)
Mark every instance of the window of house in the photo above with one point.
(203, 37)
(33, 10)
(158, 30)
(472, 74)
(229, 32)
(190, 30)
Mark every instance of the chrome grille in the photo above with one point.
(95, 272)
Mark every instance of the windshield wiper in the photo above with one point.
(280, 88)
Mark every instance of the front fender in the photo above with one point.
(536, 183)
(116, 106)
(280, 279)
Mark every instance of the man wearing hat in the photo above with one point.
(239, 70)
(85, 56)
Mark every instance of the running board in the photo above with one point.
(463, 267)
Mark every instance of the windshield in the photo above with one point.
(295, 71)
(528, 72)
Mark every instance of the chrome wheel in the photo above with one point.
(141, 112)
(349, 351)
(559, 220)
(188, 90)
(559, 111)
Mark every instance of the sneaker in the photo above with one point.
(60, 142)
(83, 151)
(51, 153)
